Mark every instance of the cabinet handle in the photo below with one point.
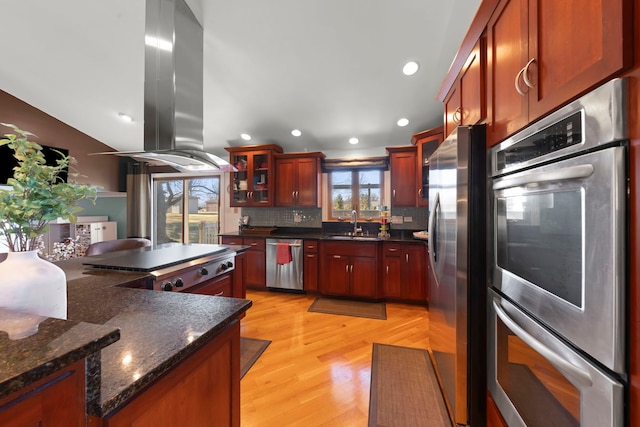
(420, 192)
(311, 256)
(387, 270)
(407, 257)
(351, 269)
(457, 116)
(253, 244)
(297, 192)
(394, 193)
(219, 294)
(293, 194)
(517, 82)
(346, 268)
(525, 74)
(337, 257)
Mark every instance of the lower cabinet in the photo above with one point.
(349, 269)
(404, 272)
(203, 390)
(58, 400)
(221, 286)
(255, 272)
(311, 265)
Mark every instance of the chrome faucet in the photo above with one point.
(354, 220)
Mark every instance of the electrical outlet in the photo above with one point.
(408, 219)
(396, 219)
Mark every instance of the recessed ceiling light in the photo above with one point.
(296, 132)
(410, 68)
(353, 140)
(403, 122)
(125, 117)
(245, 136)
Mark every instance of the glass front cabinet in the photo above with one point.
(427, 142)
(252, 182)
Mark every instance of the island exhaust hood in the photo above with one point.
(173, 86)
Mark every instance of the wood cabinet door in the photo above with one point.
(307, 182)
(336, 275)
(310, 272)
(507, 54)
(592, 36)
(363, 277)
(285, 182)
(452, 109)
(58, 400)
(472, 86)
(391, 284)
(413, 273)
(403, 178)
(255, 271)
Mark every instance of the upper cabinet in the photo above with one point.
(465, 102)
(298, 179)
(403, 168)
(543, 53)
(426, 142)
(253, 182)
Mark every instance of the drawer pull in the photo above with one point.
(219, 294)
(393, 249)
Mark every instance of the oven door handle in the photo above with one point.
(572, 371)
(572, 172)
(433, 237)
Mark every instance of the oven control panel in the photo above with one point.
(194, 274)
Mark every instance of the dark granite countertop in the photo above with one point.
(403, 236)
(33, 347)
(157, 330)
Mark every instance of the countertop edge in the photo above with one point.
(26, 378)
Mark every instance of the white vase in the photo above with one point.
(34, 285)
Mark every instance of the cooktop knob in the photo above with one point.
(229, 264)
(223, 266)
(167, 286)
(204, 271)
(179, 283)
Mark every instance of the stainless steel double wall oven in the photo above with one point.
(557, 332)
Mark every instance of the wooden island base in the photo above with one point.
(203, 390)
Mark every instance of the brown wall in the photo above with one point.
(95, 170)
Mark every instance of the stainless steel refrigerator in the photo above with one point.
(457, 287)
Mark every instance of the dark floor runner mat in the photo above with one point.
(250, 350)
(372, 310)
(404, 389)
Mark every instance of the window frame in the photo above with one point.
(355, 190)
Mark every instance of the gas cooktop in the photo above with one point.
(152, 258)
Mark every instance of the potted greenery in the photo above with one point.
(37, 195)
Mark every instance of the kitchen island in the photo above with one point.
(167, 341)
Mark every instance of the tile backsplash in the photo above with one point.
(411, 218)
(284, 217)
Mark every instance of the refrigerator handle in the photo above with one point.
(433, 237)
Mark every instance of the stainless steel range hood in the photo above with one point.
(173, 85)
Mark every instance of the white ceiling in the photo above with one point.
(331, 68)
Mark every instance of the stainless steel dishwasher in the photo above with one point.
(284, 264)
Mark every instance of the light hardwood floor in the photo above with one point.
(317, 370)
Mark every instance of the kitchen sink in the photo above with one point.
(351, 238)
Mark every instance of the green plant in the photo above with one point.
(37, 195)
